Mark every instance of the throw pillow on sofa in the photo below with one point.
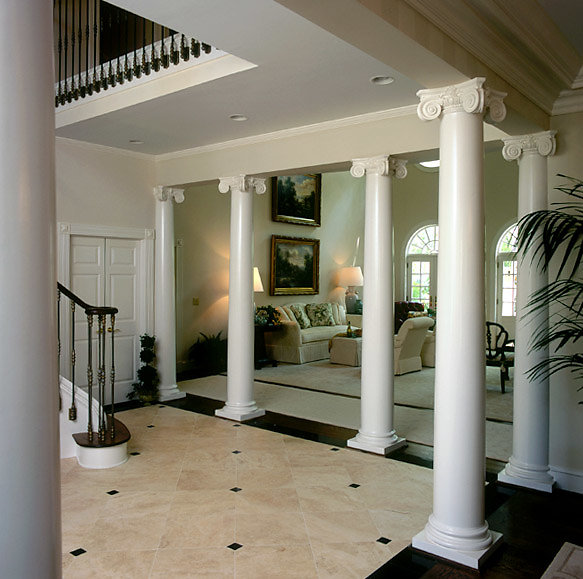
(320, 314)
(299, 312)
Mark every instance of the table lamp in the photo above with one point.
(350, 278)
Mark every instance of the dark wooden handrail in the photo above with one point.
(92, 310)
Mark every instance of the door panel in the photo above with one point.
(104, 271)
(422, 279)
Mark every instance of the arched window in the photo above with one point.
(506, 272)
(422, 266)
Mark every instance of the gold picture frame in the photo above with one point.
(297, 199)
(295, 263)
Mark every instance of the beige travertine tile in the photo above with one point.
(321, 498)
(207, 478)
(335, 477)
(341, 527)
(98, 564)
(202, 502)
(293, 561)
(271, 529)
(399, 526)
(354, 560)
(278, 500)
(199, 563)
(251, 477)
(196, 531)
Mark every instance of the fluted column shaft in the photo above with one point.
(376, 432)
(240, 367)
(457, 529)
(30, 543)
(529, 464)
(165, 318)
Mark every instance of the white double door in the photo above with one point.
(105, 272)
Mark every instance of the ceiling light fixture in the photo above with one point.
(238, 118)
(430, 164)
(382, 79)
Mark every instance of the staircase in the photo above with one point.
(103, 441)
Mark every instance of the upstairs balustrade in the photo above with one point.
(109, 432)
(98, 46)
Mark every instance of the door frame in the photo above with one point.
(146, 237)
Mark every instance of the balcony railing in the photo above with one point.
(98, 46)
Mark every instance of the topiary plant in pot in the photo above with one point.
(146, 388)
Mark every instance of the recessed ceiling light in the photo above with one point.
(136, 142)
(430, 164)
(382, 79)
(238, 118)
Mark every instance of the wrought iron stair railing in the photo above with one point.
(108, 430)
(99, 45)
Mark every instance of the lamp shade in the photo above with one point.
(350, 277)
(257, 283)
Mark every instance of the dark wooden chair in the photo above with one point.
(499, 351)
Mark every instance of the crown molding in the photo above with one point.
(569, 101)
(410, 110)
(104, 148)
(524, 47)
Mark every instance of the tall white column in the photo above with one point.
(457, 529)
(30, 526)
(240, 405)
(376, 433)
(165, 296)
(529, 463)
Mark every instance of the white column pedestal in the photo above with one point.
(240, 405)
(376, 433)
(165, 295)
(457, 529)
(529, 464)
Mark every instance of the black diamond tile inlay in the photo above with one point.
(383, 540)
(234, 546)
(334, 449)
(235, 489)
(161, 406)
(354, 485)
(113, 492)
(134, 453)
(236, 425)
(150, 426)
(236, 452)
(78, 552)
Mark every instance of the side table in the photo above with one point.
(261, 358)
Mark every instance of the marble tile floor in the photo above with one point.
(202, 496)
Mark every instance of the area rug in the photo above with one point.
(414, 389)
(568, 562)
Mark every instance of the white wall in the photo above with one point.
(101, 186)
(566, 456)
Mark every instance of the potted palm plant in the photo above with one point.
(556, 235)
(146, 388)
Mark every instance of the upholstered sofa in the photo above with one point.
(409, 342)
(305, 332)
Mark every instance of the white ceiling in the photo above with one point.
(304, 75)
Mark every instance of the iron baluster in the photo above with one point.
(59, 344)
(101, 374)
(73, 408)
(112, 377)
(88, 87)
(90, 377)
(165, 58)
(127, 69)
(154, 58)
(174, 54)
(206, 48)
(184, 52)
(195, 48)
(96, 82)
(60, 57)
(66, 95)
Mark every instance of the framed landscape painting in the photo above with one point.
(294, 266)
(297, 199)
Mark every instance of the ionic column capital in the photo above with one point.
(542, 143)
(162, 193)
(242, 183)
(470, 96)
(382, 165)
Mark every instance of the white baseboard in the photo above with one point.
(568, 480)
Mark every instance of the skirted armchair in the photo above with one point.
(408, 343)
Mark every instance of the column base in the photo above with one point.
(383, 446)
(171, 393)
(473, 559)
(239, 414)
(520, 476)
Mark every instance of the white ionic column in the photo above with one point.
(376, 432)
(165, 298)
(240, 405)
(457, 529)
(30, 545)
(529, 463)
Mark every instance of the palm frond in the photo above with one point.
(564, 293)
(554, 364)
